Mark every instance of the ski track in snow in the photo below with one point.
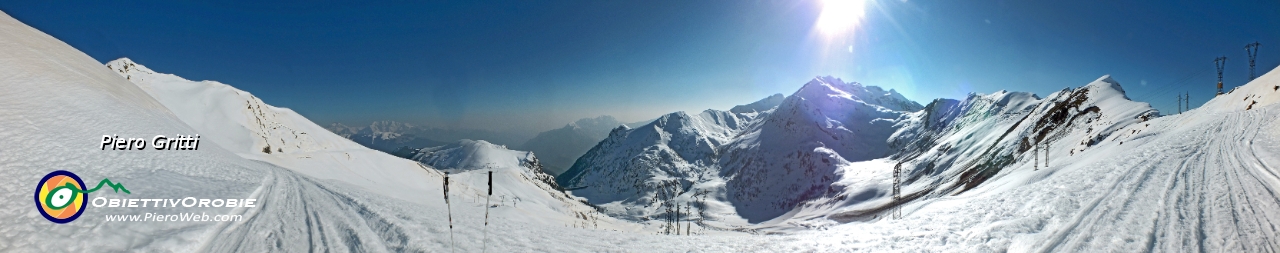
(1200, 185)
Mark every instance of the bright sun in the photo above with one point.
(839, 16)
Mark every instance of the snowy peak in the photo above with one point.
(126, 66)
(465, 155)
(823, 88)
(759, 106)
(388, 127)
(1106, 87)
(344, 130)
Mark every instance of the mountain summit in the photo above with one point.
(758, 160)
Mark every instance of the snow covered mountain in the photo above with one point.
(791, 156)
(755, 162)
(954, 146)
(559, 147)
(983, 134)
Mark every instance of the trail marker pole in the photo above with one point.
(1046, 155)
(897, 191)
(450, 210)
(485, 241)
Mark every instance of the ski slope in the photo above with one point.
(1201, 181)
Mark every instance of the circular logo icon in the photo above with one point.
(61, 196)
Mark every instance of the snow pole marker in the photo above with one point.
(675, 219)
(485, 241)
(897, 191)
(450, 210)
(688, 222)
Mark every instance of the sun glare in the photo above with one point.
(840, 16)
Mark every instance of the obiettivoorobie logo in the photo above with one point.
(60, 197)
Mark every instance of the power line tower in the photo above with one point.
(897, 191)
(1220, 62)
(1179, 103)
(1188, 101)
(1252, 50)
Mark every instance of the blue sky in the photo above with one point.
(508, 65)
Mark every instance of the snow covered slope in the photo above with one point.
(305, 147)
(519, 178)
(1262, 91)
(248, 127)
(57, 105)
(743, 166)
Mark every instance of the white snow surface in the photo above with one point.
(286, 139)
(1201, 181)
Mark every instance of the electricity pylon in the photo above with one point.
(1220, 62)
(1252, 50)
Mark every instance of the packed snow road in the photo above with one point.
(1208, 188)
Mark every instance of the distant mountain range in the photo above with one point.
(560, 147)
(390, 136)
